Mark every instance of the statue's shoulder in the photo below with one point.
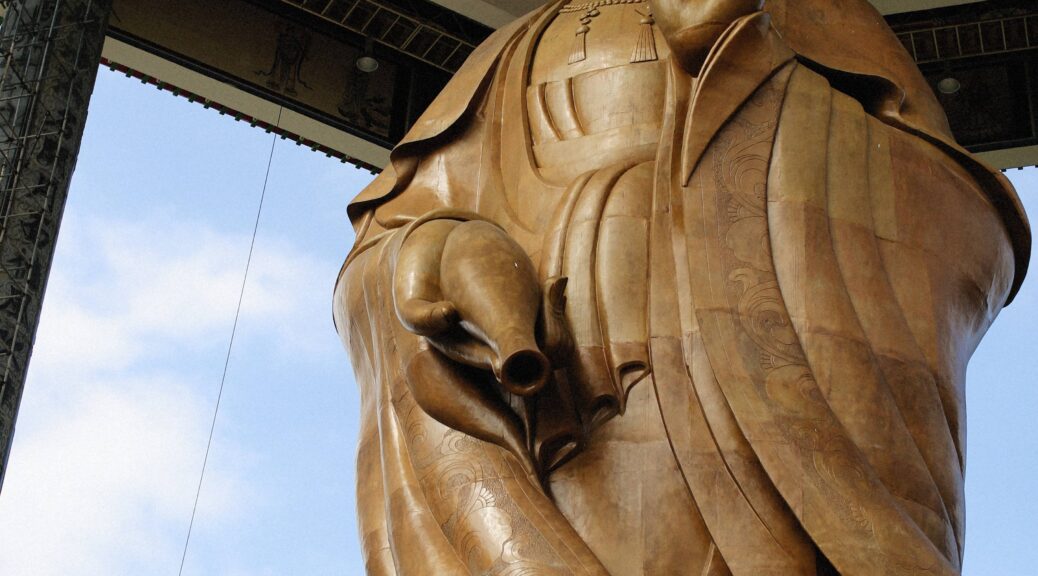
(454, 101)
(461, 91)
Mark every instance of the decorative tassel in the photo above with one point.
(645, 50)
(579, 51)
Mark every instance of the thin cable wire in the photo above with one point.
(230, 346)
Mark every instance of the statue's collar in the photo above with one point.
(745, 56)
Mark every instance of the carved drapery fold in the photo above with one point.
(815, 278)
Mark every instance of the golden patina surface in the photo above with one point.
(675, 287)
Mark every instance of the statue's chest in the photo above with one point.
(597, 88)
(588, 36)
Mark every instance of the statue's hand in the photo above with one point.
(691, 27)
(473, 293)
(416, 280)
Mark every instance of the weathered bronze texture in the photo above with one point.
(680, 288)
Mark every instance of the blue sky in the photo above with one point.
(135, 326)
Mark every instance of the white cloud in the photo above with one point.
(110, 439)
(109, 478)
(125, 291)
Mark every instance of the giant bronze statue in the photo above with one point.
(674, 287)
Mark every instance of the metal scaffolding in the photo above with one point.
(49, 55)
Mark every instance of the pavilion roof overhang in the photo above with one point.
(989, 47)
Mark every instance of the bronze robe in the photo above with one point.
(820, 263)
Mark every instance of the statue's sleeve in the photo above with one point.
(431, 499)
(839, 296)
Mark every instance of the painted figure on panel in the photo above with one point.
(674, 287)
(290, 52)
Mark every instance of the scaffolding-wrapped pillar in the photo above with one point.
(49, 55)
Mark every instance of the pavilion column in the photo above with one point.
(49, 55)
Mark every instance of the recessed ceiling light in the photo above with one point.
(367, 63)
(949, 85)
